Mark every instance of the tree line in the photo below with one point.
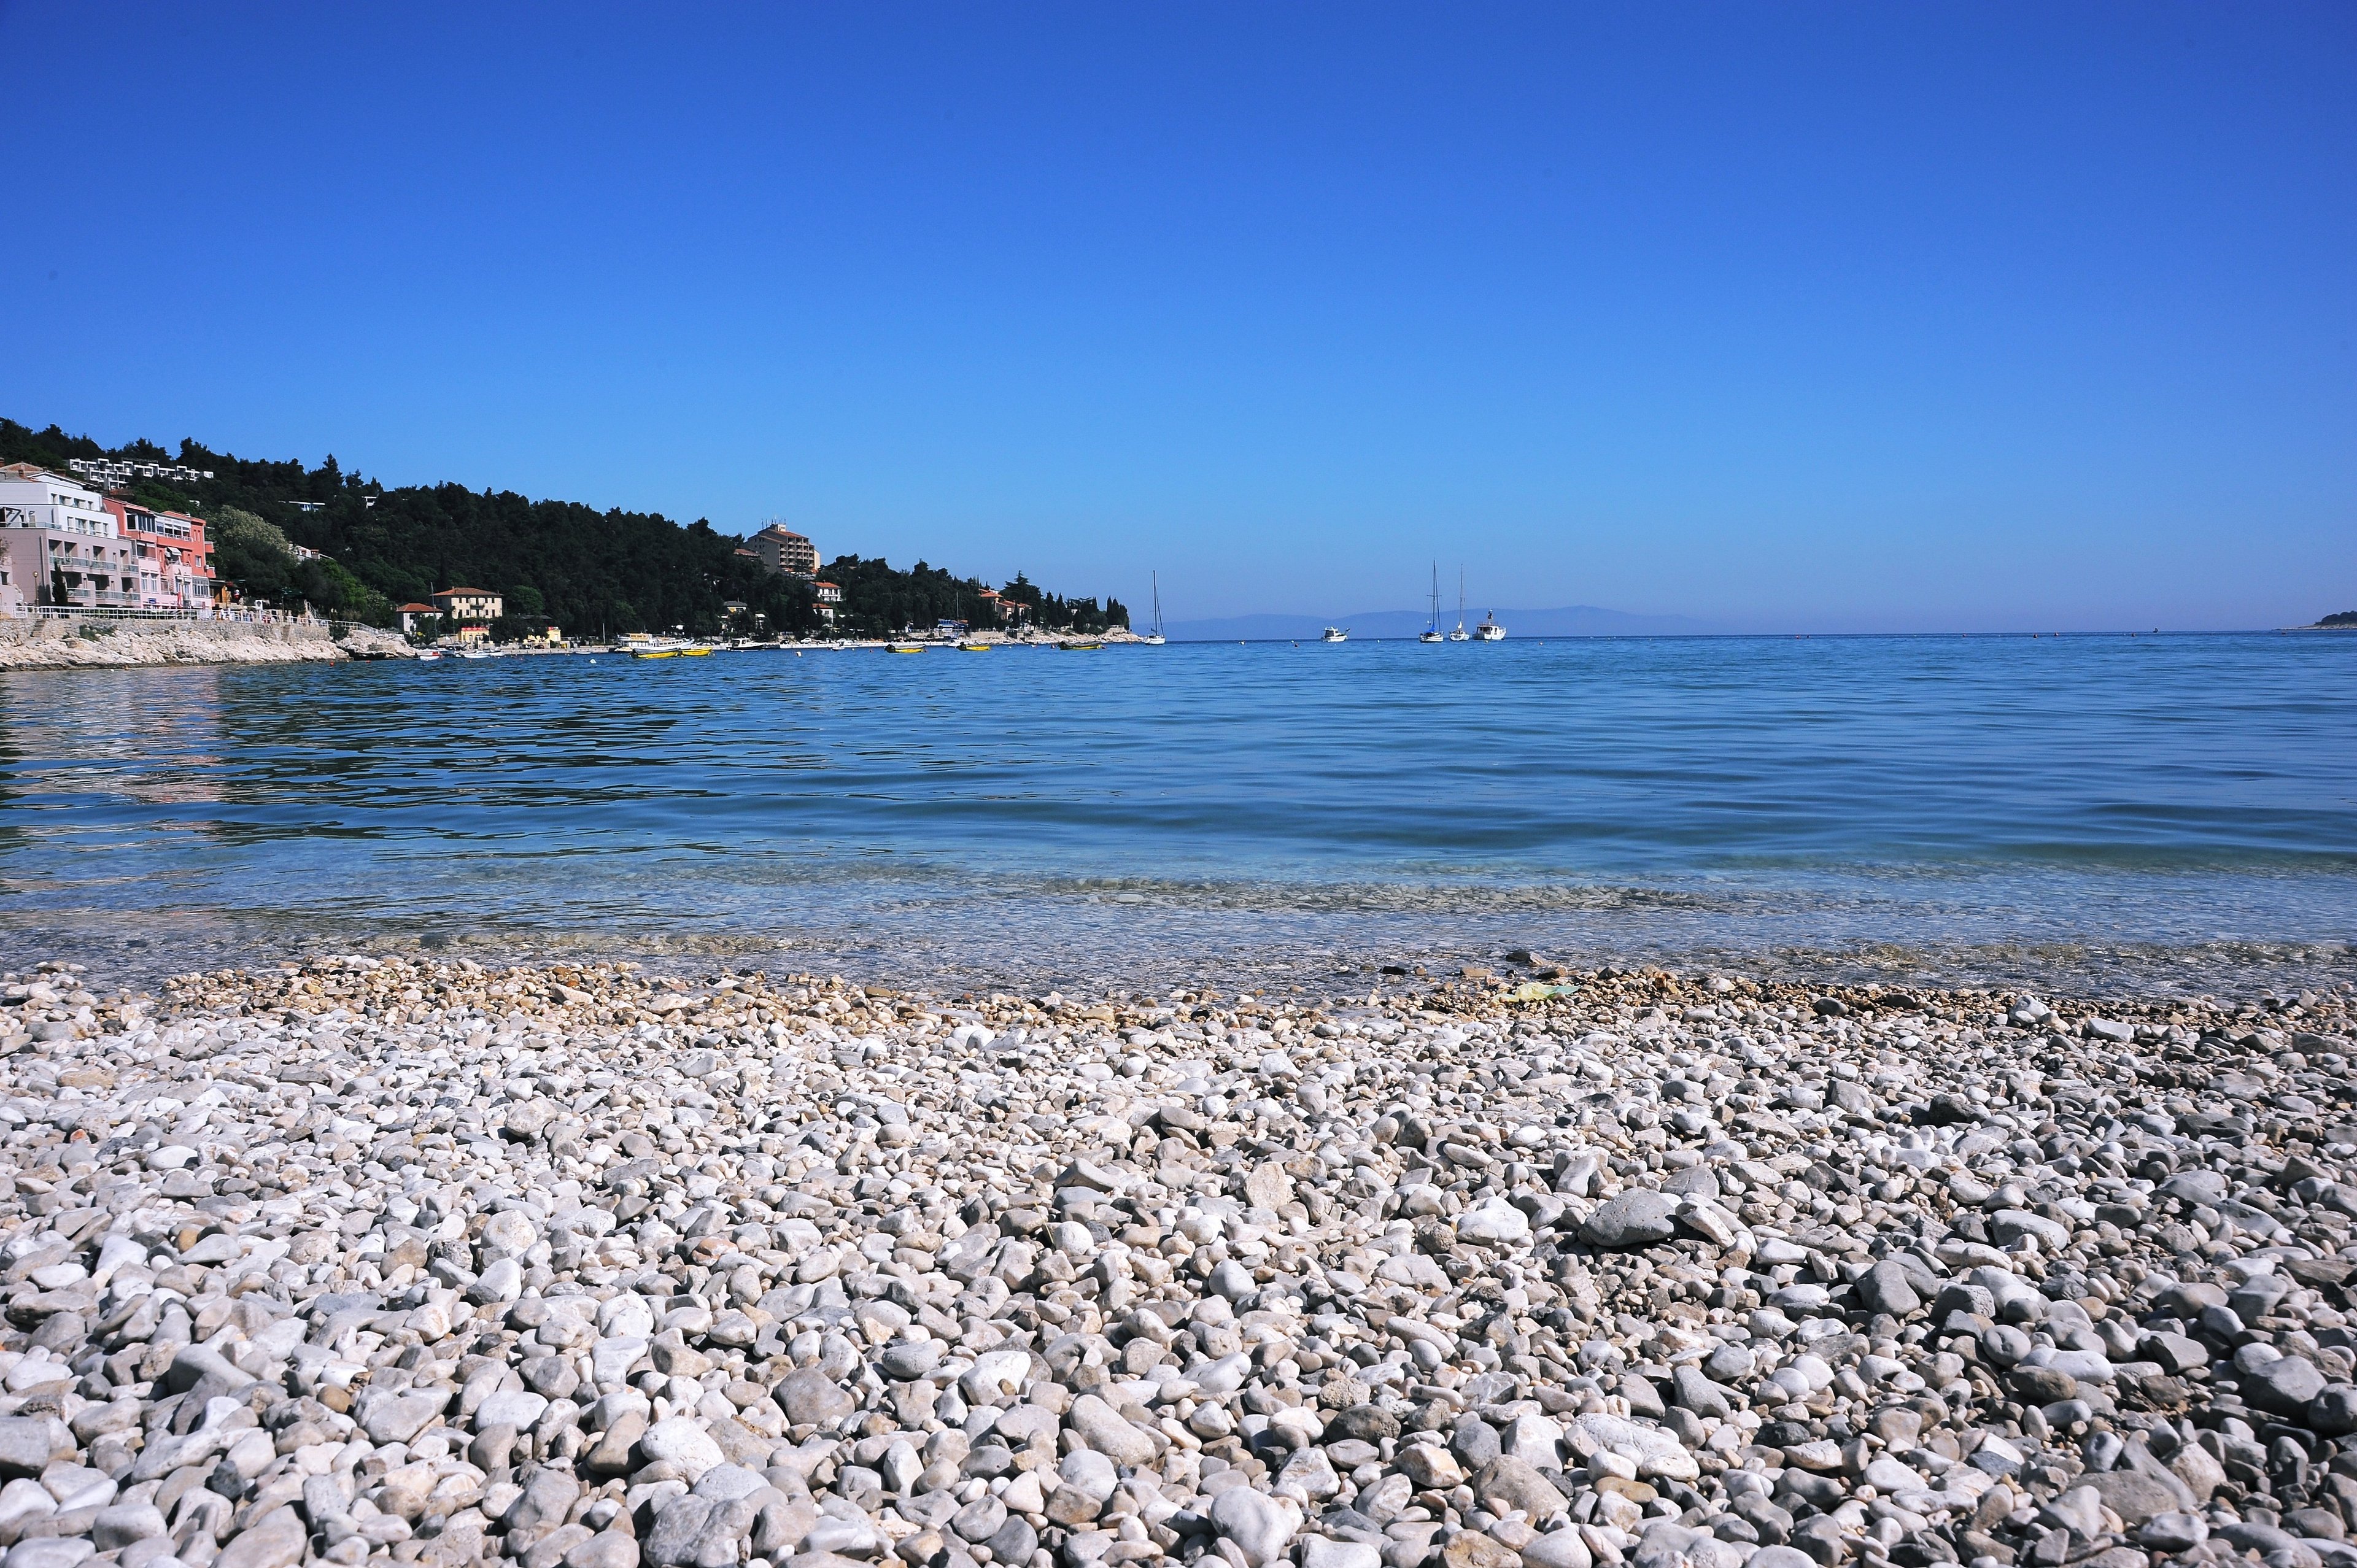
(593, 572)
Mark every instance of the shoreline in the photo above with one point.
(598, 1266)
(106, 643)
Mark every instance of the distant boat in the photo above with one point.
(1154, 639)
(1432, 626)
(1460, 635)
(973, 648)
(1336, 633)
(904, 648)
(1080, 647)
(1490, 631)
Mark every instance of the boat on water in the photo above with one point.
(654, 653)
(429, 656)
(904, 648)
(1432, 626)
(1080, 647)
(1336, 633)
(973, 648)
(1154, 637)
(1460, 634)
(1490, 631)
(475, 653)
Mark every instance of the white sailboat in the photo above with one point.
(1432, 626)
(1154, 639)
(1460, 634)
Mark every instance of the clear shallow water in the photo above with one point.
(2102, 812)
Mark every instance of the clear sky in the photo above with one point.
(1918, 316)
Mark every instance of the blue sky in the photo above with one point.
(1809, 316)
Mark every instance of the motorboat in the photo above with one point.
(973, 648)
(1336, 633)
(904, 648)
(1490, 631)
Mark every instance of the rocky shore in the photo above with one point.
(98, 643)
(364, 1261)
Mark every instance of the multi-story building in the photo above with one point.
(415, 618)
(59, 546)
(830, 601)
(469, 607)
(174, 557)
(112, 471)
(786, 553)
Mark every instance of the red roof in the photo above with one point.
(446, 592)
(417, 610)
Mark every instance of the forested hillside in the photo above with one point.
(593, 572)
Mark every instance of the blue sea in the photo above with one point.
(2088, 813)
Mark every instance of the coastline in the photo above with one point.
(589, 1265)
(27, 643)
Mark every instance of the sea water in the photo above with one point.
(2096, 812)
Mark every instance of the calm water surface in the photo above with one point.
(2099, 812)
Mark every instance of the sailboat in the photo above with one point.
(1154, 639)
(1460, 634)
(1432, 626)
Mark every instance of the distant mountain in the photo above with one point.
(1569, 620)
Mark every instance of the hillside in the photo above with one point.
(594, 572)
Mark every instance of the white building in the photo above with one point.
(58, 544)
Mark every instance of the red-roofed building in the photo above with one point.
(469, 607)
(415, 618)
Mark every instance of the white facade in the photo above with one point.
(58, 543)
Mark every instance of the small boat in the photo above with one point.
(654, 653)
(1080, 647)
(1490, 631)
(1154, 639)
(475, 653)
(973, 648)
(428, 656)
(1460, 634)
(1431, 632)
(1336, 633)
(695, 653)
(904, 648)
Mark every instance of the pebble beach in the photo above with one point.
(369, 1261)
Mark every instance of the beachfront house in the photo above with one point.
(59, 546)
(830, 601)
(469, 610)
(416, 619)
(171, 551)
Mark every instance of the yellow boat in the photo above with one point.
(1080, 647)
(656, 653)
(695, 653)
(973, 648)
(904, 648)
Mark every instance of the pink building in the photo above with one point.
(174, 557)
